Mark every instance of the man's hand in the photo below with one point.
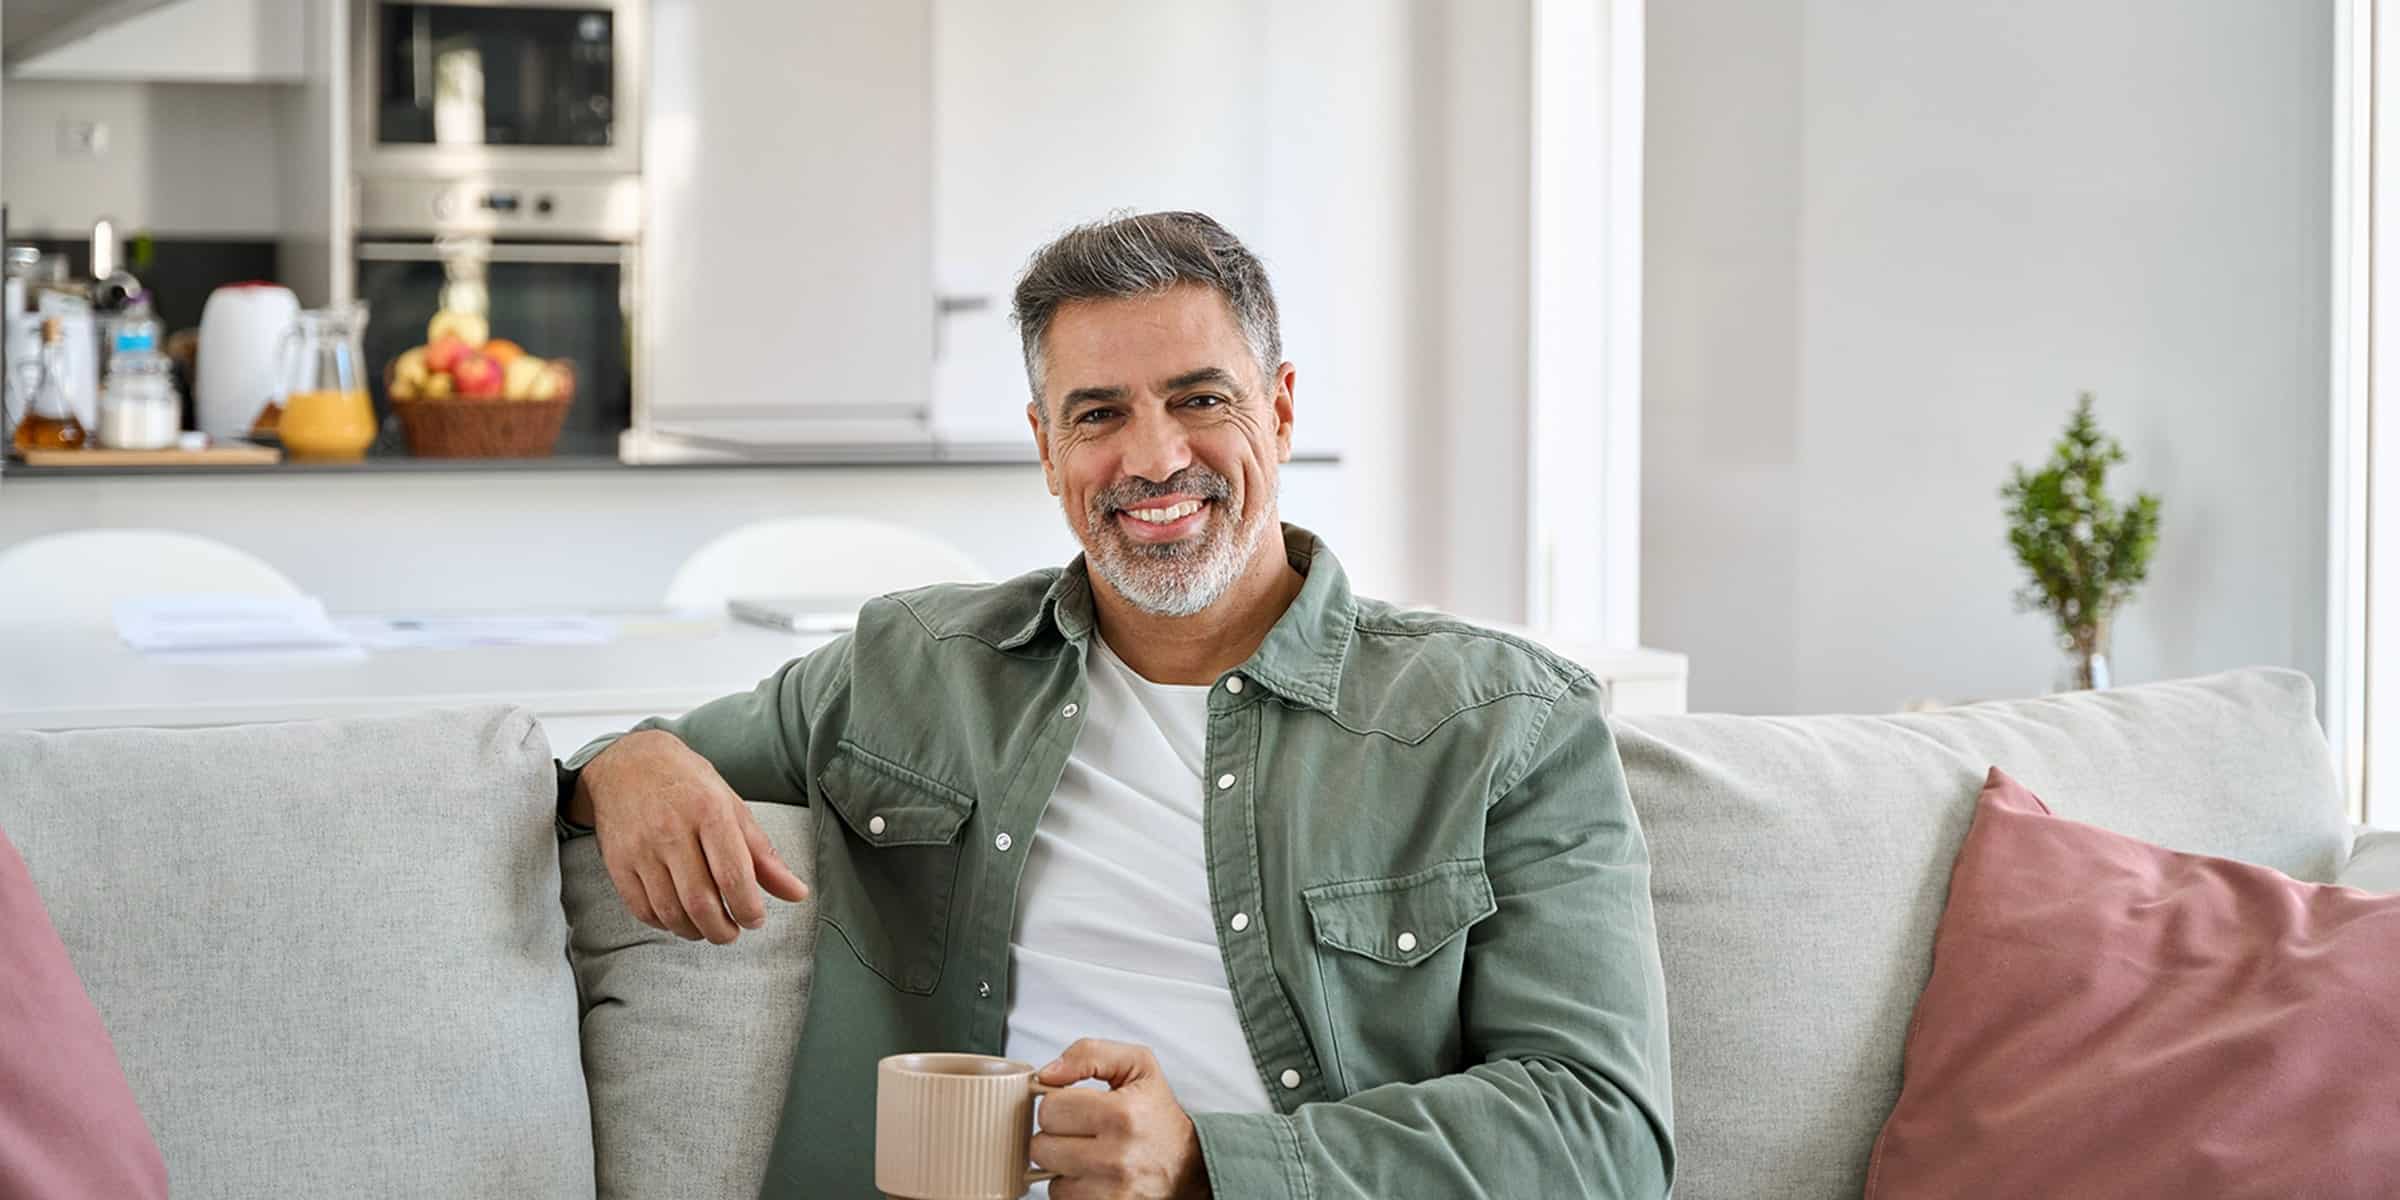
(1131, 1142)
(680, 846)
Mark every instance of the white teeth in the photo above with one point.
(1160, 516)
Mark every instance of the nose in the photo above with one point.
(1156, 446)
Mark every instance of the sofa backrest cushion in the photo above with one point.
(1799, 866)
(331, 953)
(687, 1045)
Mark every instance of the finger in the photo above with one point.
(1116, 1063)
(779, 880)
(728, 857)
(630, 889)
(1083, 1112)
(1069, 1156)
(697, 893)
(660, 887)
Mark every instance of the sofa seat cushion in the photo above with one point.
(1798, 868)
(688, 1046)
(331, 953)
(2109, 1018)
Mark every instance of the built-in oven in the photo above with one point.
(551, 264)
(520, 85)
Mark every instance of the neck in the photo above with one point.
(1199, 648)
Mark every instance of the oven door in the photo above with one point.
(467, 85)
(559, 300)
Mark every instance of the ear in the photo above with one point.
(1285, 376)
(1041, 443)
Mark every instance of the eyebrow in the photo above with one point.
(1084, 397)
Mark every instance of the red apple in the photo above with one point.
(443, 353)
(479, 376)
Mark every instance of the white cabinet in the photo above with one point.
(841, 195)
(1048, 113)
(789, 292)
(180, 41)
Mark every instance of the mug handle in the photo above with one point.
(1039, 1088)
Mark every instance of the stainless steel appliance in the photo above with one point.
(497, 85)
(554, 263)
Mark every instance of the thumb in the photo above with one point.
(780, 881)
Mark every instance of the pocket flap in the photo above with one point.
(1404, 919)
(887, 804)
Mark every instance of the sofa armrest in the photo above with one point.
(2374, 864)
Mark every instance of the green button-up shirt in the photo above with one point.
(1448, 976)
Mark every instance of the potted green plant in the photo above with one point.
(2085, 552)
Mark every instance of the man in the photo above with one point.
(1338, 900)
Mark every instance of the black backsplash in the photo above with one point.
(180, 272)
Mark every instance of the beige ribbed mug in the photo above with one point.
(955, 1127)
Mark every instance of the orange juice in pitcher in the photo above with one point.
(326, 414)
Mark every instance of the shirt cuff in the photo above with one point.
(1251, 1156)
(566, 792)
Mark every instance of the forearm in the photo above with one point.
(756, 740)
(1509, 1128)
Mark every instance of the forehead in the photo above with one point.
(1131, 341)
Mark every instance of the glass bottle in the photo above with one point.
(49, 422)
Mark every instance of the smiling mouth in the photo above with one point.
(1164, 516)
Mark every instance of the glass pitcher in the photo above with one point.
(326, 412)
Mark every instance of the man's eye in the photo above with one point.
(1093, 416)
(1205, 401)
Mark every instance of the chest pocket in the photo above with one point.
(1391, 955)
(886, 881)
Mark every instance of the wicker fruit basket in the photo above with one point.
(450, 427)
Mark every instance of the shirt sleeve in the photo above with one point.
(757, 740)
(1562, 1011)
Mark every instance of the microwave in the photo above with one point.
(467, 86)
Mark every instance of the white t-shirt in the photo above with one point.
(1114, 937)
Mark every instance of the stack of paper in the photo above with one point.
(217, 624)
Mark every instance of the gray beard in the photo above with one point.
(1175, 579)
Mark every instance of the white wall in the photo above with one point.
(183, 159)
(1887, 244)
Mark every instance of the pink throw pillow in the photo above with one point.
(2107, 1018)
(69, 1126)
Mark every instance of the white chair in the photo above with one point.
(814, 556)
(77, 577)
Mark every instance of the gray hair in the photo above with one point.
(1128, 256)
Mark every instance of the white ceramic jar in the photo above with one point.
(241, 339)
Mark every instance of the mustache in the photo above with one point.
(1194, 480)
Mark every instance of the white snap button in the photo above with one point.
(1408, 942)
(1002, 842)
(984, 989)
(1291, 1078)
(1224, 781)
(1234, 685)
(1069, 710)
(1240, 922)
(875, 825)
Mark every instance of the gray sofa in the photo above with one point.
(348, 957)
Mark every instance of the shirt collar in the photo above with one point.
(1303, 655)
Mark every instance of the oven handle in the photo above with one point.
(509, 252)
